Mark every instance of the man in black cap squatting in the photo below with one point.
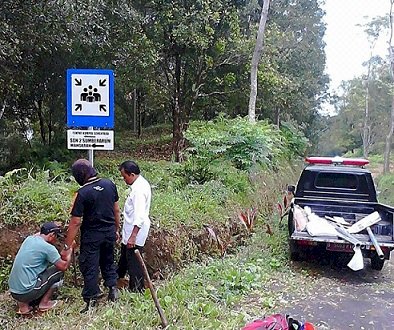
(31, 281)
(96, 212)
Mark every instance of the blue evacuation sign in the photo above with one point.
(90, 98)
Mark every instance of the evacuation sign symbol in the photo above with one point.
(90, 95)
(90, 98)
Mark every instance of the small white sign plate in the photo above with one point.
(90, 139)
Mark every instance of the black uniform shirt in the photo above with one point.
(95, 203)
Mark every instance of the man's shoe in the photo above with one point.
(90, 303)
(113, 293)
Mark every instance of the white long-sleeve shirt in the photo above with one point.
(136, 211)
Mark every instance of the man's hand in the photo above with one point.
(131, 241)
(117, 236)
(65, 254)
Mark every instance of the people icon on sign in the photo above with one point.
(90, 94)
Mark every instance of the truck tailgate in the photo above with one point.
(384, 241)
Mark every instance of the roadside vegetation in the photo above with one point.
(212, 208)
(227, 279)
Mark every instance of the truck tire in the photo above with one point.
(376, 262)
(294, 251)
(293, 248)
(290, 223)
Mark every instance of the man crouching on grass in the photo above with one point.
(38, 270)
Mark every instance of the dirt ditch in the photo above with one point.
(165, 250)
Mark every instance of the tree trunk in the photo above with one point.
(140, 110)
(50, 123)
(3, 109)
(177, 132)
(387, 148)
(366, 128)
(135, 110)
(277, 117)
(258, 50)
(38, 105)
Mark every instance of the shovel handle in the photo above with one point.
(163, 318)
(74, 262)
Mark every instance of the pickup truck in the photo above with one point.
(340, 188)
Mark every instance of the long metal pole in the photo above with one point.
(91, 151)
(375, 243)
(163, 318)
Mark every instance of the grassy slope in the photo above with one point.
(214, 294)
(207, 295)
(204, 295)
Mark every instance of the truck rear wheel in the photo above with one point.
(293, 247)
(376, 262)
(290, 223)
(294, 251)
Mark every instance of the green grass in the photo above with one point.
(35, 197)
(385, 184)
(187, 196)
(202, 296)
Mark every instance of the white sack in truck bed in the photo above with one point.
(300, 218)
(318, 226)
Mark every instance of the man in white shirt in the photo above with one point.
(136, 224)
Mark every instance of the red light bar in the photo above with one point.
(337, 160)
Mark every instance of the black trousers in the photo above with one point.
(128, 262)
(97, 253)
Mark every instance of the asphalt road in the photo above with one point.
(338, 298)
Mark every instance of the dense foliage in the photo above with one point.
(210, 185)
(174, 60)
(243, 144)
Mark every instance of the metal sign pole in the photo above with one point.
(91, 151)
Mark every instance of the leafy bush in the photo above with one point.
(295, 140)
(385, 184)
(240, 142)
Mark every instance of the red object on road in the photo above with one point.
(308, 326)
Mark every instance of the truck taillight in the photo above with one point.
(337, 161)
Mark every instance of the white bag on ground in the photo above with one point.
(357, 262)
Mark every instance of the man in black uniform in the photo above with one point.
(96, 203)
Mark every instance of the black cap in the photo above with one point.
(51, 227)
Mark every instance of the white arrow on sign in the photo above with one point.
(90, 95)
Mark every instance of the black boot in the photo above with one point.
(113, 293)
(90, 303)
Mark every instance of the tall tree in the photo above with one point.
(191, 38)
(294, 84)
(255, 61)
(373, 30)
(389, 136)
